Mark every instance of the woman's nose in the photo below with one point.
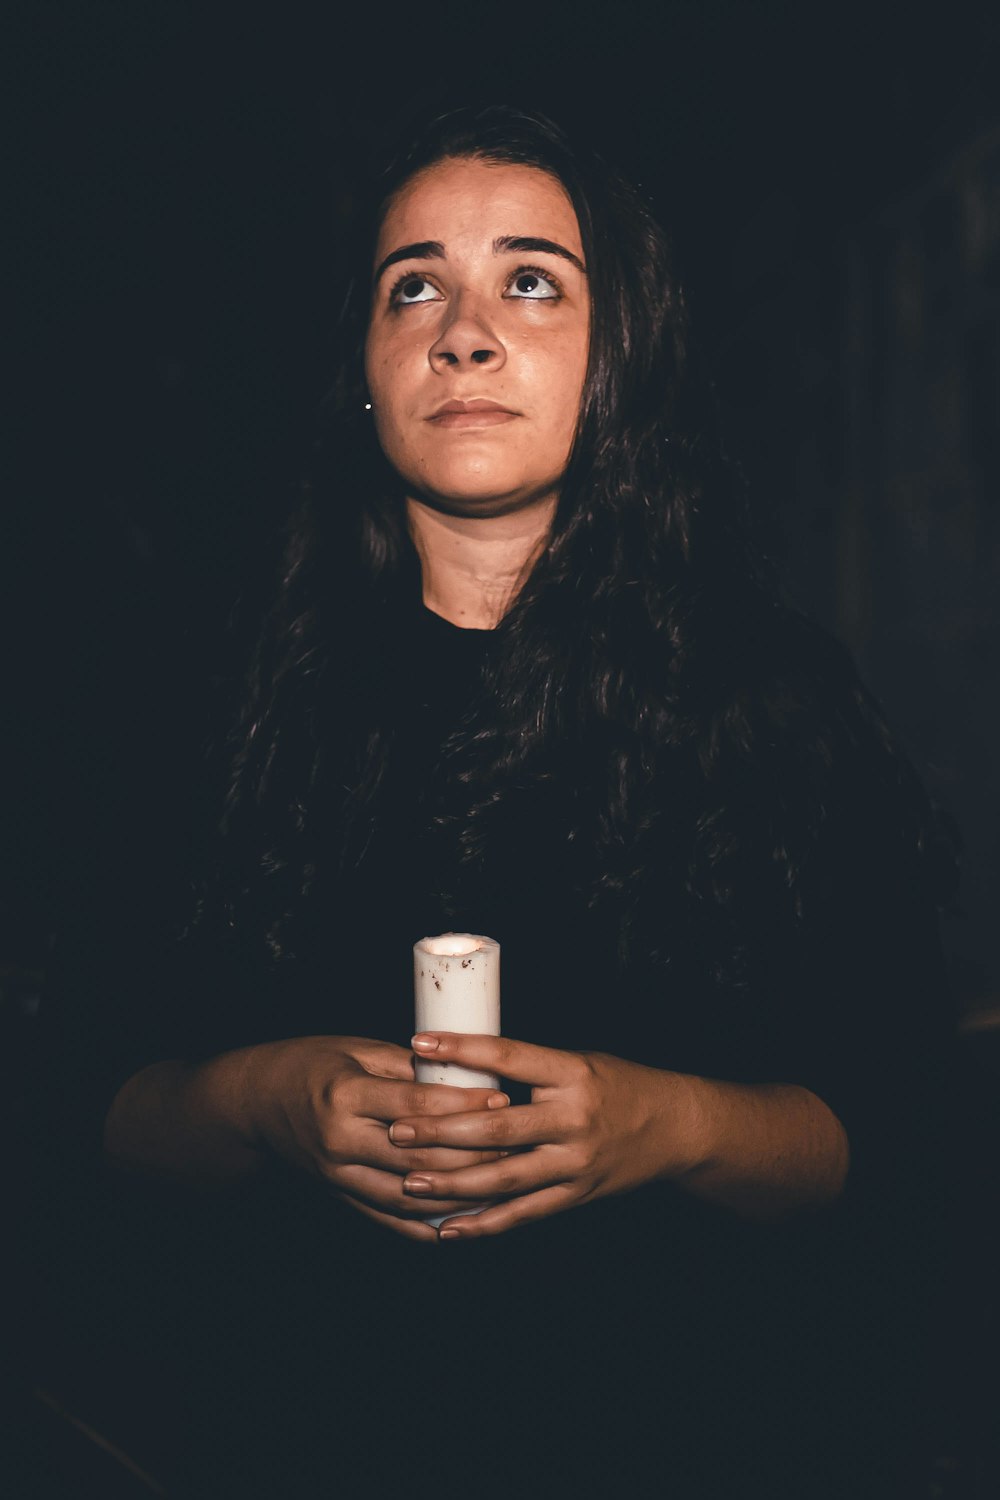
(467, 339)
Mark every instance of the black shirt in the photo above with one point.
(638, 1338)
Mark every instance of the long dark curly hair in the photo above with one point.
(701, 742)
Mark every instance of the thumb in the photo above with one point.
(383, 1059)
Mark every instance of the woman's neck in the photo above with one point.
(474, 566)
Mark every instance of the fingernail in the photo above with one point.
(449, 1234)
(401, 1133)
(497, 1101)
(425, 1043)
(416, 1184)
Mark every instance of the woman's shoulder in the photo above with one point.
(795, 727)
(789, 665)
(784, 693)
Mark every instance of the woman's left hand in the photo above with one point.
(596, 1125)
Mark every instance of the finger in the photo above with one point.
(522, 1061)
(515, 1176)
(382, 1059)
(511, 1215)
(498, 1129)
(382, 1191)
(380, 1099)
(413, 1229)
(376, 1150)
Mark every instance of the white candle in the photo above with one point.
(456, 987)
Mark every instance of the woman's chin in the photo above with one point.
(481, 496)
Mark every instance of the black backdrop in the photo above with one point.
(182, 174)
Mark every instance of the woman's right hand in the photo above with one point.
(324, 1103)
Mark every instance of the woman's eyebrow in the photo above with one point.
(527, 243)
(506, 243)
(422, 250)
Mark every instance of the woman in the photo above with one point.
(525, 675)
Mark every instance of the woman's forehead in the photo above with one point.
(468, 198)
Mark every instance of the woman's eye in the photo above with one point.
(413, 289)
(532, 284)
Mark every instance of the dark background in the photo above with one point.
(831, 176)
(181, 181)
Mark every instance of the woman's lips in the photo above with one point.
(472, 418)
(471, 414)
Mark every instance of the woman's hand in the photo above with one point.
(595, 1125)
(324, 1102)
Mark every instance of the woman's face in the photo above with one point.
(479, 334)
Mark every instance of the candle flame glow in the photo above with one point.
(451, 944)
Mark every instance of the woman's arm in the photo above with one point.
(599, 1125)
(318, 1103)
(759, 1149)
(186, 1120)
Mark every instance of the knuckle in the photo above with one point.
(408, 1210)
(505, 1050)
(341, 1093)
(583, 1067)
(330, 1146)
(520, 1214)
(580, 1161)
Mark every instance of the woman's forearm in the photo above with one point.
(763, 1150)
(185, 1120)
